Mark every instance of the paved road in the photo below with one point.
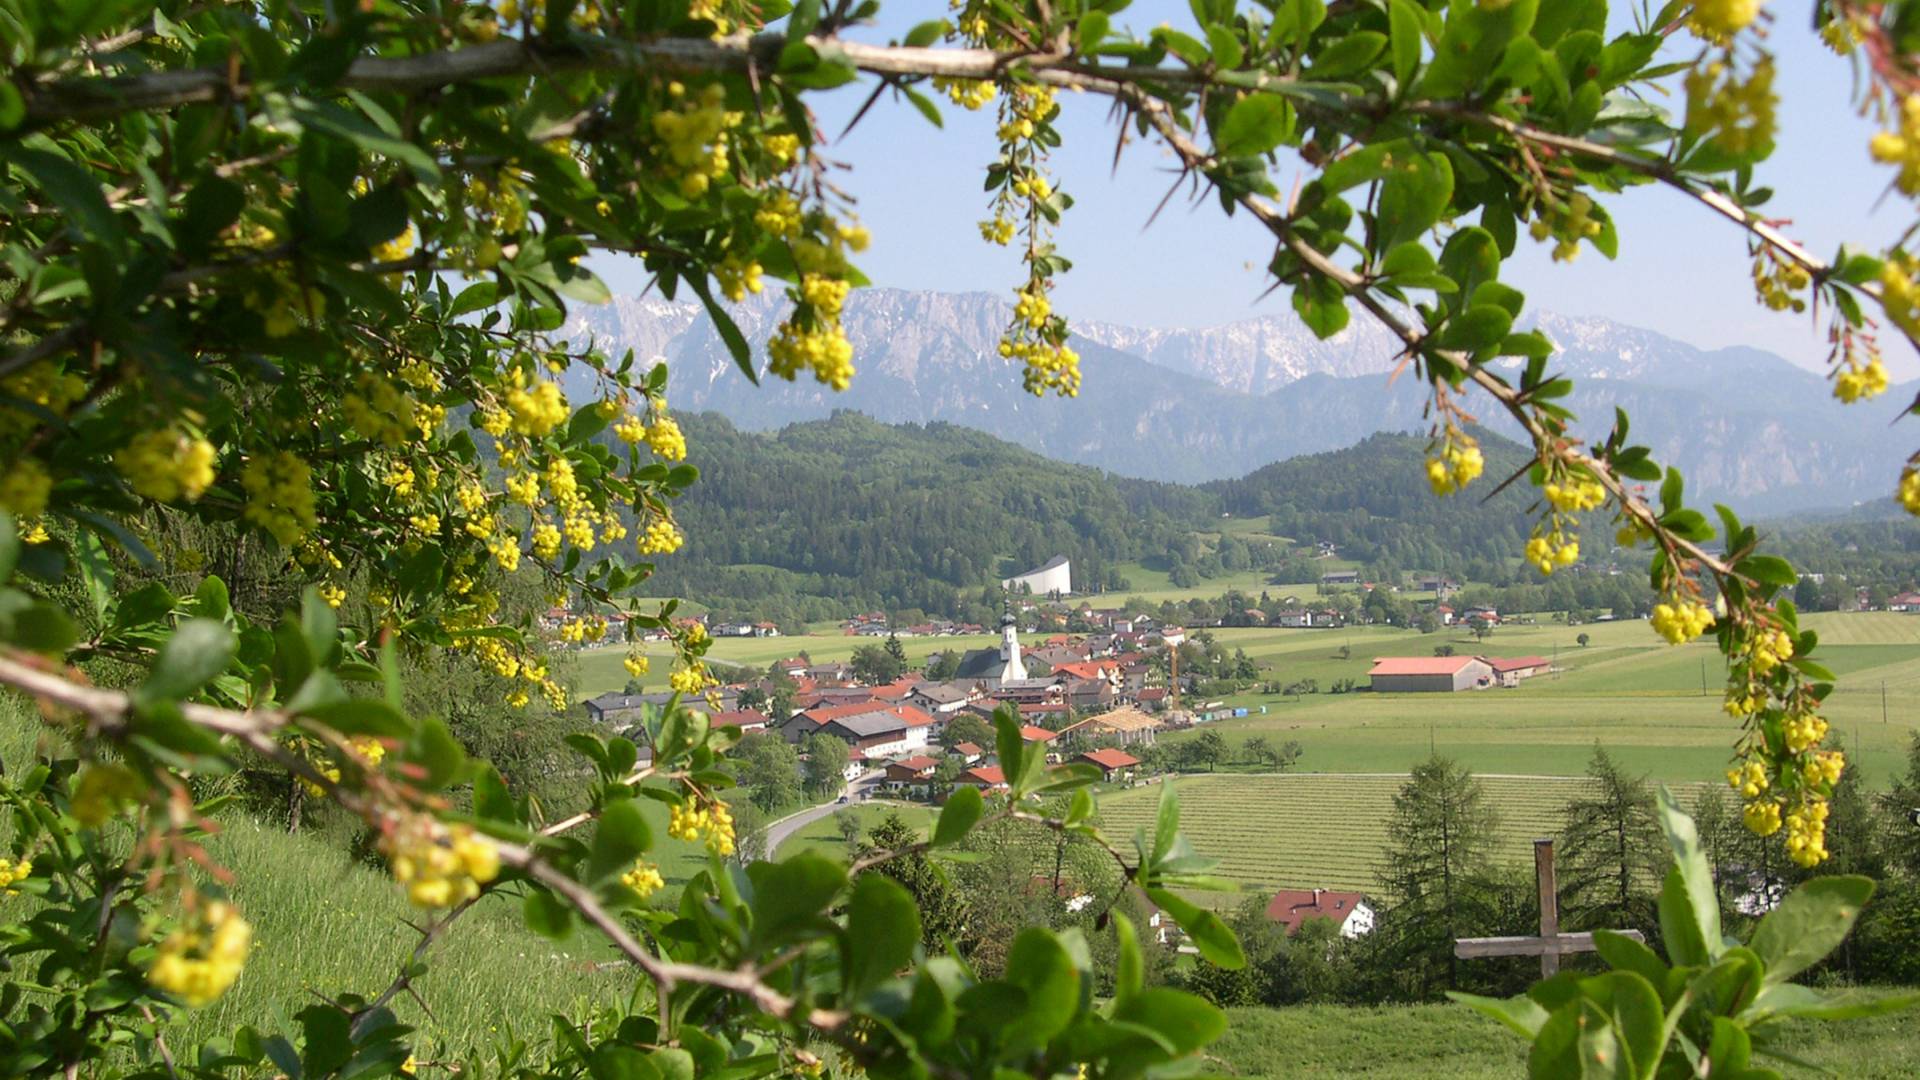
(779, 831)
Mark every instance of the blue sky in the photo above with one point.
(1681, 271)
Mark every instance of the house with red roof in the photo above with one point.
(1348, 910)
(1509, 670)
(744, 719)
(1029, 733)
(875, 728)
(1429, 674)
(1114, 765)
(969, 752)
(911, 776)
(988, 778)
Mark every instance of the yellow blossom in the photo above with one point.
(202, 957)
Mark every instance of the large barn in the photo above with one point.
(1429, 674)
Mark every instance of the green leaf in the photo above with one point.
(9, 546)
(1349, 55)
(1523, 1014)
(199, 650)
(1040, 965)
(1412, 198)
(963, 808)
(438, 753)
(1130, 965)
(883, 926)
(71, 188)
(1769, 570)
(1622, 953)
(1810, 922)
(1256, 124)
(1639, 1020)
(1403, 24)
(547, 915)
(622, 837)
(728, 330)
(1216, 943)
(792, 894)
(1480, 326)
(1789, 999)
(1227, 51)
(1183, 1021)
(479, 295)
(927, 33)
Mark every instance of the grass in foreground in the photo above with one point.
(1447, 1042)
(824, 836)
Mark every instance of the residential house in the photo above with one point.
(1429, 674)
(1906, 601)
(1114, 765)
(1032, 734)
(969, 752)
(913, 724)
(793, 668)
(1152, 699)
(1348, 910)
(744, 719)
(619, 710)
(911, 776)
(942, 698)
(1091, 695)
(1044, 710)
(988, 778)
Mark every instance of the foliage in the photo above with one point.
(1436, 868)
(1712, 1003)
(874, 665)
(295, 274)
(1611, 852)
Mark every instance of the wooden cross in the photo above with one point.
(1551, 943)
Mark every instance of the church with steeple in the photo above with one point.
(996, 666)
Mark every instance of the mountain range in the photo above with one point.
(1191, 405)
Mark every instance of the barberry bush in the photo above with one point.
(296, 273)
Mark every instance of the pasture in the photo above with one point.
(599, 670)
(824, 836)
(1655, 707)
(1305, 831)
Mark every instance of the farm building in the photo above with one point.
(1349, 910)
(1128, 724)
(1053, 579)
(1340, 577)
(1113, 764)
(1509, 670)
(619, 710)
(1429, 674)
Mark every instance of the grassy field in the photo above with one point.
(1308, 831)
(600, 670)
(1448, 1042)
(823, 836)
(1626, 689)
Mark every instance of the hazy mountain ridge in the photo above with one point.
(1192, 405)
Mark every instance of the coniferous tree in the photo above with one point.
(1439, 838)
(1611, 852)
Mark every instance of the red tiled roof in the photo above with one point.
(1043, 708)
(1153, 693)
(740, 718)
(1086, 669)
(917, 763)
(967, 748)
(1029, 733)
(1291, 907)
(1111, 759)
(1421, 665)
(990, 775)
(1515, 663)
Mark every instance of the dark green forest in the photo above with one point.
(820, 520)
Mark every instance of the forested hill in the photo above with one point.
(820, 519)
(1372, 499)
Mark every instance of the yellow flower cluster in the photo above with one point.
(1902, 147)
(636, 663)
(440, 865)
(662, 537)
(1909, 493)
(783, 148)
(644, 879)
(997, 231)
(1749, 779)
(631, 429)
(167, 464)
(1856, 381)
(1033, 307)
(1680, 621)
(396, 248)
(203, 956)
(1577, 493)
(13, 873)
(1807, 832)
(1777, 281)
(738, 277)
(694, 134)
(1769, 649)
(24, 488)
(1566, 223)
(1049, 366)
(1551, 550)
(545, 540)
(279, 495)
(536, 410)
(1456, 466)
(584, 15)
(1842, 34)
(1718, 20)
(1762, 817)
(1737, 114)
(821, 347)
(970, 94)
(380, 410)
(664, 436)
(576, 631)
(1899, 295)
(1804, 731)
(1824, 767)
(333, 594)
(1739, 704)
(691, 679)
(42, 384)
(100, 792)
(690, 820)
(780, 216)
